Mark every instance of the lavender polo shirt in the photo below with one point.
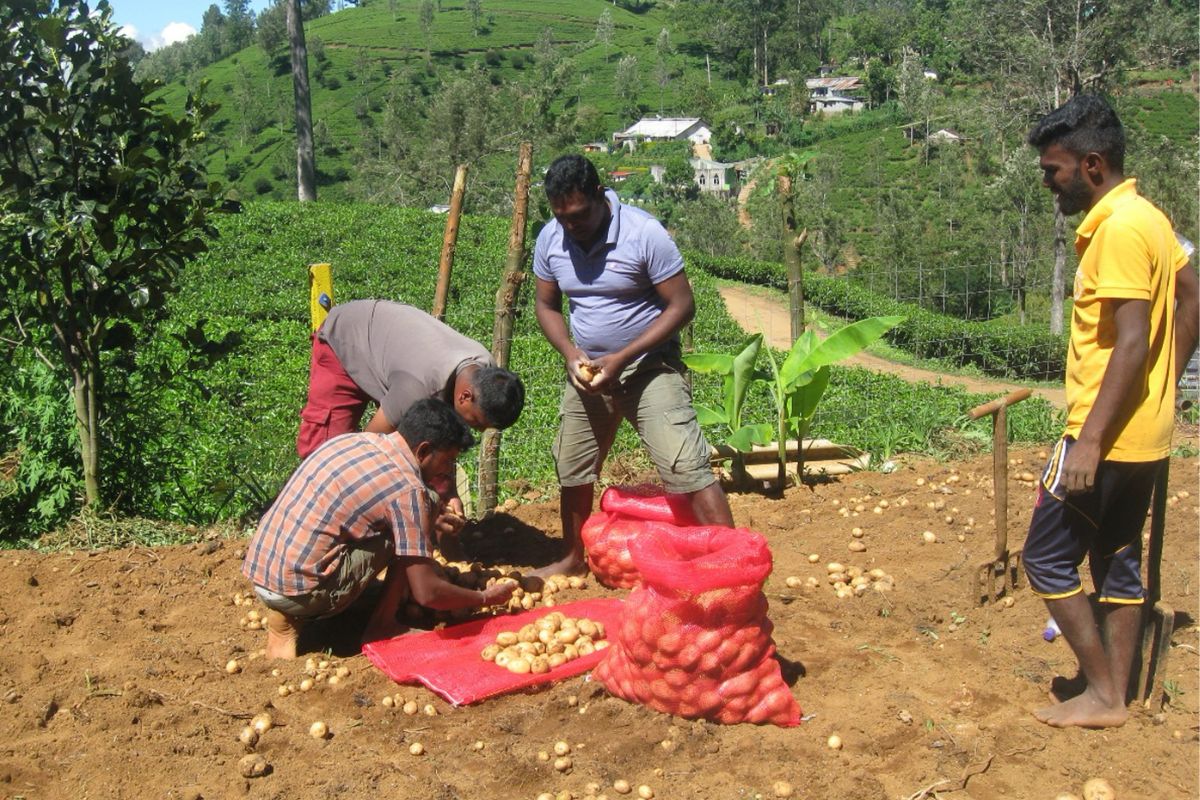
(610, 288)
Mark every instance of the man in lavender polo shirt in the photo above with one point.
(629, 297)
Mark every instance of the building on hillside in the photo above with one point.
(715, 177)
(833, 95)
(663, 129)
(619, 175)
(835, 104)
(596, 147)
(778, 85)
(945, 136)
(915, 131)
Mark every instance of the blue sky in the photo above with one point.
(155, 23)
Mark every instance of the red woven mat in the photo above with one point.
(447, 661)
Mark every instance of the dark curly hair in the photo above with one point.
(432, 420)
(569, 174)
(1084, 124)
(500, 395)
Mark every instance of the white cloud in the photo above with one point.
(171, 33)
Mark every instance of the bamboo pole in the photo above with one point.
(502, 328)
(449, 242)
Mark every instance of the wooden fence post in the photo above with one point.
(791, 256)
(502, 328)
(449, 241)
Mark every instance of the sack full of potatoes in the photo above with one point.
(624, 510)
(694, 639)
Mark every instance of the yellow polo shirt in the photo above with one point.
(1127, 250)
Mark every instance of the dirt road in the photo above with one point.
(767, 312)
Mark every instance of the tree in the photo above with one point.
(475, 9)
(239, 25)
(425, 14)
(604, 30)
(306, 170)
(628, 85)
(101, 199)
(272, 28)
(662, 67)
(212, 35)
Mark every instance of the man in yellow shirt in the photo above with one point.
(1133, 328)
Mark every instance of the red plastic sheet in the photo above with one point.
(447, 661)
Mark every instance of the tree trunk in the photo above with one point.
(306, 171)
(502, 328)
(791, 256)
(1057, 287)
(83, 392)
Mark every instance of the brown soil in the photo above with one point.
(757, 310)
(114, 683)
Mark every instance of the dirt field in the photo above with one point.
(113, 678)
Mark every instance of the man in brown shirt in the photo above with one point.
(392, 354)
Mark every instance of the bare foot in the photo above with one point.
(1084, 711)
(1063, 689)
(571, 565)
(282, 634)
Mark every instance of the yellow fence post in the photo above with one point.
(320, 292)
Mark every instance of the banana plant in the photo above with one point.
(738, 374)
(798, 385)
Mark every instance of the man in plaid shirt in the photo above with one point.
(359, 504)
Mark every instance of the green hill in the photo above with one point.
(375, 75)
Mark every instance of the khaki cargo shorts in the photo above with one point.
(655, 397)
(359, 566)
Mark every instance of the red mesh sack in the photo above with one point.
(695, 640)
(624, 512)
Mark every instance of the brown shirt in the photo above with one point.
(397, 353)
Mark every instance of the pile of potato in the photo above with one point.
(550, 642)
(852, 581)
(253, 619)
(529, 593)
(316, 670)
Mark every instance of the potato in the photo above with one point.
(318, 730)
(834, 742)
(506, 638)
(253, 766)
(261, 723)
(1098, 789)
(782, 789)
(587, 372)
(490, 652)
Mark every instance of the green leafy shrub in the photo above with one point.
(39, 468)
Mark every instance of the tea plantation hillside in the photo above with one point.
(372, 72)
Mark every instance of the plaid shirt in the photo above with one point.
(351, 488)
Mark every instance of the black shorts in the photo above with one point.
(1104, 524)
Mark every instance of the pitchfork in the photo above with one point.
(1005, 567)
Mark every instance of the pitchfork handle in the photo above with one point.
(992, 406)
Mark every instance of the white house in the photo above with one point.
(714, 176)
(835, 104)
(663, 129)
(831, 94)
